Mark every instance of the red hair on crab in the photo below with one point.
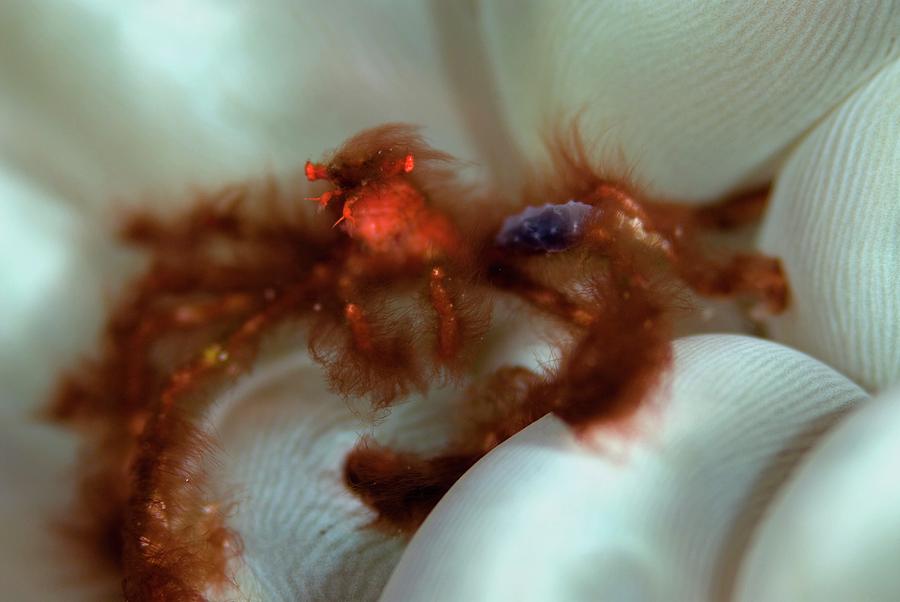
(225, 275)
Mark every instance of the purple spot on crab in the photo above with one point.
(550, 228)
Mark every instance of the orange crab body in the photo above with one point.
(401, 300)
(384, 208)
(390, 218)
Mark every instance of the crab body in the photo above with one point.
(383, 209)
(226, 274)
(391, 219)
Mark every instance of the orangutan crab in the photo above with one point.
(235, 267)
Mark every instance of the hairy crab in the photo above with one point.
(396, 295)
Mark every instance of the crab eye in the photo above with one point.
(315, 171)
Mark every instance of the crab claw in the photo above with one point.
(321, 200)
(347, 217)
(346, 213)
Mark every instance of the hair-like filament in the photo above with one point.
(235, 267)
